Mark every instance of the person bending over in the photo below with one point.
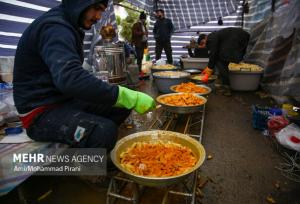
(225, 46)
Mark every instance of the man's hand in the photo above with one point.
(205, 78)
(144, 103)
(136, 100)
(207, 71)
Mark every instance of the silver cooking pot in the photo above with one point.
(110, 59)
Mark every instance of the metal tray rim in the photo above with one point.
(200, 85)
(149, 179)
(182, 109)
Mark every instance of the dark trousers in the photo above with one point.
(100, 124)
(166, 45)
(139, 56)
(222, 67)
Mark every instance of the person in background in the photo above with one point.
(58, 100)
(225, 46)
(128, 49)
(162, 31)
(139, 39)
(201, 50)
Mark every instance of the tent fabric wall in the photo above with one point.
(274, 45)
(16, 15)
(185, 14)
(258, 11)
(147, 5)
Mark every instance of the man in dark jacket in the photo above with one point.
(57, 99)
(163, 29)
(225, 46)
(139, 38)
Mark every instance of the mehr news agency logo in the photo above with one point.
(39, 162)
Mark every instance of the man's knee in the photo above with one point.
(104, 135)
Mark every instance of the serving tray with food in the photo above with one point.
(191, 87)
(244, 67)
(158, 157)
(182, 103)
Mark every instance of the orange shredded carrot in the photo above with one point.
(185, 99)
(190, 88)
(158, 159)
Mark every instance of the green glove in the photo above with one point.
(136, 100)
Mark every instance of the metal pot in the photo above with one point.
(110, 58)
(164, 82)
(164, 136)
(161, 68)
(153, 70)
(244, 80)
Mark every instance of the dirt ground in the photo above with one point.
(242, 169)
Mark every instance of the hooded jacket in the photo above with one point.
(228, 44)
(48, 62)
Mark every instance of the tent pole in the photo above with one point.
(155, 5)
(243, 13)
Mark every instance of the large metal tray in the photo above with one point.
(193, 71)
(181, 109)
(146, 136)
(173, 88)
(194, 78)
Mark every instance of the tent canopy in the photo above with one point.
(16, 15)
(187, 13)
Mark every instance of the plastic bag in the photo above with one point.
(4, 108)
(289, 137)
(146, 67)
(276, 123)
(160, 62)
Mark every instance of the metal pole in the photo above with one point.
(155, 6)
(243, 13)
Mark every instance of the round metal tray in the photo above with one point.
(181, 109)
(211, 79)
(173, 88)
(163, 83)
(159, 67)
(171, 74)
(153, 70)
(165, 136)
(193, 71)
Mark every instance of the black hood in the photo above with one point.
(73, 8)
